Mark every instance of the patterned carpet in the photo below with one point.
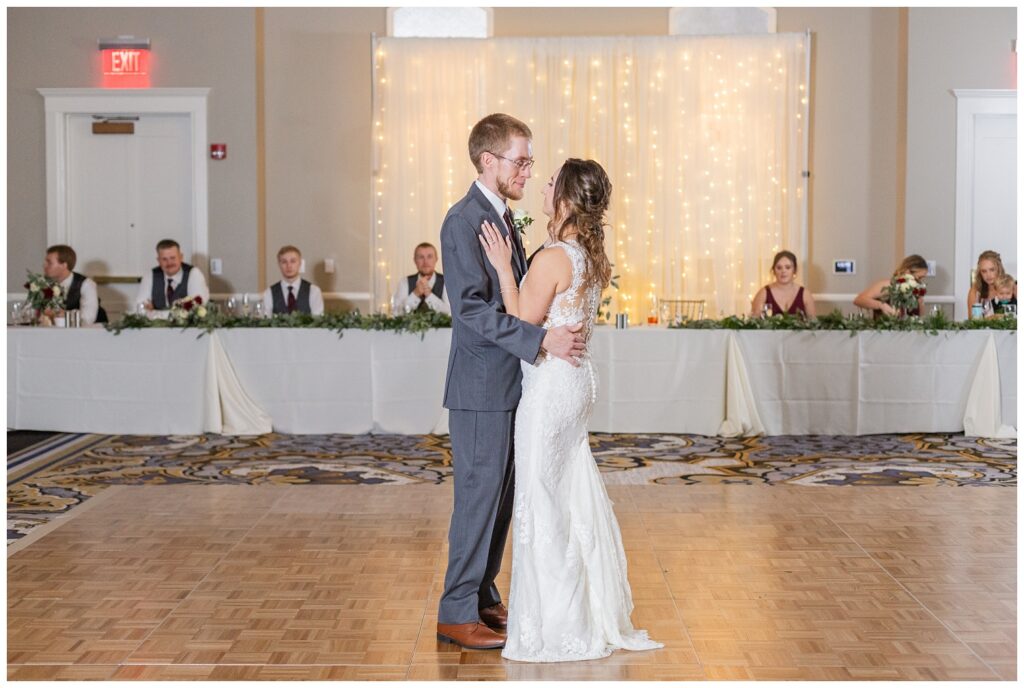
(50, 478)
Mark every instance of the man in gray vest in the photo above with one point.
(424, 290)
(292, 293)
(483, 388)
(171, 280)
(79, 291)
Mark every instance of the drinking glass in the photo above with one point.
(766, 310)
(231, 305)
(16, 313)
(1010, 309)
(258, 309)
(140, 308)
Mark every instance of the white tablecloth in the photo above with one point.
(240, 381)
(833, 383)
(652, 381)
(312, 381)
(87, 380)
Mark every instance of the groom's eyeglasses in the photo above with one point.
(522, 163)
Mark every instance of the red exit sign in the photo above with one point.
(125, 68)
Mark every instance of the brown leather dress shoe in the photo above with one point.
(472, 636)
(495, 616)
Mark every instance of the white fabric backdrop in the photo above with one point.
(703, 138)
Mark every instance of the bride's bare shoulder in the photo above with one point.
(553, 261)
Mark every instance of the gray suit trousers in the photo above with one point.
(484, 472)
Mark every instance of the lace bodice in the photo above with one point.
(575, 304)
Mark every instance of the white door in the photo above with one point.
(986, 184)
(995, 188)
(126, 192)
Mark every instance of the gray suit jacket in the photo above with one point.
(487, 343)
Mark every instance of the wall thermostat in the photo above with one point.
(931, 268)
(845, 266)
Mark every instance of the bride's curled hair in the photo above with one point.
(581, 195)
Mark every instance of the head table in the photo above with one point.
(709, 382)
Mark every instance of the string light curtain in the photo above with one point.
(703, 139)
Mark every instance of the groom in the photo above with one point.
(483, 384)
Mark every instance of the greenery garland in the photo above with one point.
(836, 321)
(420, 322)
(416, 322)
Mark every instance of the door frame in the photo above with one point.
(971, 105)
(62, 103)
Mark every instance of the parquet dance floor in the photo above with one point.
(342, 582)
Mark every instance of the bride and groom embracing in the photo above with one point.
(520, 389)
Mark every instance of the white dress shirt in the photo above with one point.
(88, 300)
(405, 301)
(316, 297)
(499, 205)
(196, 285)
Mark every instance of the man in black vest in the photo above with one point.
(171, 280)
(424, 290)
(79, 291)
(292, 293)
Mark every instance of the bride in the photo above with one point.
(570, 598)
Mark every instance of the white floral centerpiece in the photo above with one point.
(188, 311)
(45, 296)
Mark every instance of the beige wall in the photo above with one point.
(948, 49)
(575, 21)
(318, 122)
(854, 129)
(318, 141)
(191, 47)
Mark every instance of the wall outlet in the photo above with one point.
(329, 266)
(931, 268)
(216, 267)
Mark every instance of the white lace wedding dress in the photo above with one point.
(569, 599)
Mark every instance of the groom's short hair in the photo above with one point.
(492, 134)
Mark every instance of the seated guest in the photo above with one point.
(989, 270)
(292, 293)
(79, 290)
(171, 280)
(424, 290)
(873, 297)
(784, 295)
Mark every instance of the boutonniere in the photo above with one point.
(521, 220)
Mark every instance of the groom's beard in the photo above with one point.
(507, 191)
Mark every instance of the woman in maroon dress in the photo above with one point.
(784, 295)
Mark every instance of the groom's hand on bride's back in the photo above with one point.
(565, 342)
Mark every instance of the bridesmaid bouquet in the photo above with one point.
(44, 294)
(188, 311)
(903, 293)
